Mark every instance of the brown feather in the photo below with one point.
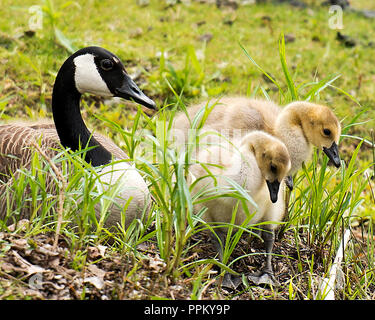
(16, 150)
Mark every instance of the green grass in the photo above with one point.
(249, 57)
(221, 65)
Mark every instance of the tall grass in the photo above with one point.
(324, 200)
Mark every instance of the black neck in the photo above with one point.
(70, 126)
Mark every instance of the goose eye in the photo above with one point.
(327, 132)
(273, 169)
(106, 64)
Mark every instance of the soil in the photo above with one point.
(30, 267)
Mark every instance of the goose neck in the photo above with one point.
(292, 120)
(70, 126)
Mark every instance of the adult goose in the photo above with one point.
(89, 70)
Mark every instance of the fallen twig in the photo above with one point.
(327, 287)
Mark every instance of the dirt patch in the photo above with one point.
(30, 268)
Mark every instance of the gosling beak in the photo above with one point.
(130, 91)
(273, 188)
(333, 154)
(289, 182)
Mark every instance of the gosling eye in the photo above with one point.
(106, 64)
(273, 169)
(327, 132)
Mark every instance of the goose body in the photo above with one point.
(15, 142)
(300, 125)
(259, 167)
(90, 70)
(239, 113)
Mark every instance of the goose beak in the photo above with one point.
(130, 91)
(333, 154)
(289, 182)
(273, 188)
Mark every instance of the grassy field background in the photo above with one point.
(140, 34)
(196, 47)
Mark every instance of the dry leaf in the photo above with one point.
(96, 271)
(95, 281)
(20, 225)
(28, 267)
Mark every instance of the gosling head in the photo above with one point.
(321, 127)
(98, 71)
(272, 158)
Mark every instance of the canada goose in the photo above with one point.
(300, 125)
(89, 70)
(259, 167)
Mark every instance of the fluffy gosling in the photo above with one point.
(300, 125)
(259, 167)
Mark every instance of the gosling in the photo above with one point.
(300, 125)
(259, 167)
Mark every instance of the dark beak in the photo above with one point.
(289, 182)
(273, 187)
(333, 154)
(130, 91)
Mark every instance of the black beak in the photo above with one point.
(333, 154)
(130, 91)
(273, 187)
(289, 182)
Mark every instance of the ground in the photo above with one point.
(110, 275)
(32, 269)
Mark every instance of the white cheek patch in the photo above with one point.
(87, 77)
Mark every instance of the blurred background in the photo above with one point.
(195, 45)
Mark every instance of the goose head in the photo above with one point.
(320, 127)
(89, 70)
(100, 72)
(272, 158)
